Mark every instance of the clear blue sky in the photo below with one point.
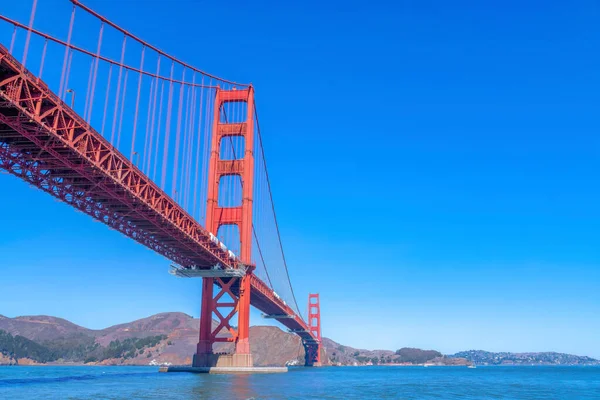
(434, 164)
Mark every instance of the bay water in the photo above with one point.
(378, 382)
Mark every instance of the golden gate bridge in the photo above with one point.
(159, 150)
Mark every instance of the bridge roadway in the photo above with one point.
(44, 142)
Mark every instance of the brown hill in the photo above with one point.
(41, 328)
(346, 355)
(173, 324)
(270, 345)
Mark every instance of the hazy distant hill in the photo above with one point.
(480, 357)
(345, 355)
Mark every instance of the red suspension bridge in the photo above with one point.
(163, 152)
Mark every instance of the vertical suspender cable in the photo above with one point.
(188, 147)
(31, 18)
(106, 99)
(66, 56)
(167, 130)
(186, 133)
(68, 75)
(87, 92)
(116, 108)
(12, 41)
(148, 136)
(43, 58)
(159, 120)
(93, 62)
(198, 154)
(190, 143)
(209, 116)
(193, 153)
(91, 101)
(150, 129)
(122, 109)
(137, 104)
(177, 134)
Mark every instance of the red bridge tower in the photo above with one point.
(312, 348)
(237, 301)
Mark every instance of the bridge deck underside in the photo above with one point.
(262, 298)
(45, 143)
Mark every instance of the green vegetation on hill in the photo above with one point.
(416, 356)
(344, 355)
(128, 348)
(20, 347)
(72, 348)
(76, 348)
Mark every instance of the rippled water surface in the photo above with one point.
(303, 383)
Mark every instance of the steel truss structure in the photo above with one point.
(47, 144)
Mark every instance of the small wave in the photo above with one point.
(60, 379)
(30, 381)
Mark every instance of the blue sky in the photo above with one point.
(434, 168)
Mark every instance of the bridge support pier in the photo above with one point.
(211, 360)
(232, 298)
(312, 354)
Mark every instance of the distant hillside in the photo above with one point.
(171, 338)
(20, 349)
(480, 357)
(41, 327)
(162, 338)
(345, 355)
